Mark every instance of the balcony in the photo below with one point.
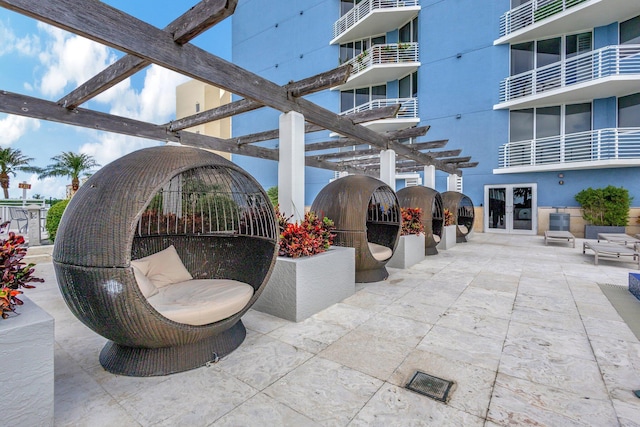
(543, 18)
(609, 71)
(381, 64)
(371, 17)
(407, 115)
(596, 149)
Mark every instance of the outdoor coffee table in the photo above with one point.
(562, 235)
(611, 251)
(621, 238)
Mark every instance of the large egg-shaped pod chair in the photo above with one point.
(135, 229)
(461, 207)
(367, 217)
(430, 202)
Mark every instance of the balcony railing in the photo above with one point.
(592, 146)
(408, 107)
(532, 12)
(362, 9)
(605, 62)
(384, 54)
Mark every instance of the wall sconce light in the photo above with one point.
(458, 116)
(561, 182)
(458, 55)
(560, 175)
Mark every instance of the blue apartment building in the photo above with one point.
(543, 94)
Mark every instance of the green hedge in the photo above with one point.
(605, 206)
(53, 218)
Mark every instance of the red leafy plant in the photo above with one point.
(448, 217)
(309, 237)
(411, 221)
(15, 273)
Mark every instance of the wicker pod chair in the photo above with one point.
(221, 224)
(461, 207)
(430, 201)
(367, 217)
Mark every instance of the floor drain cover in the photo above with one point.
(430, 386)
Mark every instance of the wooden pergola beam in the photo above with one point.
(458, 160)
(467, 165)
(303, 87)
(195, 21)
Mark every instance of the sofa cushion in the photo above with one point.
(463, 229)
(436, 238)
(201, 301)
(379, 252)
(145, 284)
(163, 268)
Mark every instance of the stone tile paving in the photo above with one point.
(521, 328)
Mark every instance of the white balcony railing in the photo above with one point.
(532, 12)
(364, 8)
(605, 62)
(591, 146)
(408, 107)
(386, 54)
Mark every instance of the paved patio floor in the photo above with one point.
(522, 328)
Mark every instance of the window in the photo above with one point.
(577, 118)
(352, 49)
(547, 121)
(548, 52)
(516, 3)
(578, 43)
(350, 99)
(629, 111)
(409, 32)
(535, 54)
(630, 31)
(521, 125)
(521, 58)
(197, 107)
(408, 86)
(347, 5)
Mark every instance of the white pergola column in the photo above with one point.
(388, 168)
(453, 182)
(291, 165)
(430, 177)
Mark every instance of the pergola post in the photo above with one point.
(454, 183)
(291, 165)
(388, 168)
(430, 177)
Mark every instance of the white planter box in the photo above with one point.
(448, 238)
(301, 287)
(26, 349)
(409, 251)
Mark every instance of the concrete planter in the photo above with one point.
(301, 287)
(591, 231)
(634, 284)
(26, 348)
(448, 238)
(409, 251)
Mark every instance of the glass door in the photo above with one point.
(511, 208)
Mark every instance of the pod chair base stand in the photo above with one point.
(148, 362)
(431, 250)
(368, 276)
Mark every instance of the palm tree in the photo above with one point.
(71, 165)
(11, 161)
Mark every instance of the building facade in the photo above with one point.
(544, 94)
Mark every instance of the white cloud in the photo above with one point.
(111, 146)
(13, 127)
(27, 46)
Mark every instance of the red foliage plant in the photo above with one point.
(15, 273)
(448, 217)
(411, 221)
(311, 236)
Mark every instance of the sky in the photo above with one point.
(45, 62)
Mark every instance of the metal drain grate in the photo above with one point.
(430, 386)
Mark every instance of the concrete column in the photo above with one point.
(33, 225)
(291, 165)
(452, 182)
(388, 168)
(430, 177)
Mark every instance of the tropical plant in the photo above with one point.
(411, 221)
(11, 161)
(448, 217)
(605, 206)
(15, 273)
(309, 237)
(53, 218)
(272, 193)
(71, 165)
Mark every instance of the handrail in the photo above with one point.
(597, 64)
(408, 107)
(589, 146)
(392, 53)
(532, 12)
(362, 9)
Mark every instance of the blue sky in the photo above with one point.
(44, 62)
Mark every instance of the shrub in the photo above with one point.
(15, 273)
(448, 217)
(311, 236)
(605, 206)
(411, 221)
(54, 216)
(272, 193)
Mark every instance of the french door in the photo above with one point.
(511, 208)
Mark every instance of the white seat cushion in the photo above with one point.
(436, 238)
(201, 301)
(163, 268)
(463, 229)
(379, 252)
(145, 284)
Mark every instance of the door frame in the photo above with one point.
(509, 209)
